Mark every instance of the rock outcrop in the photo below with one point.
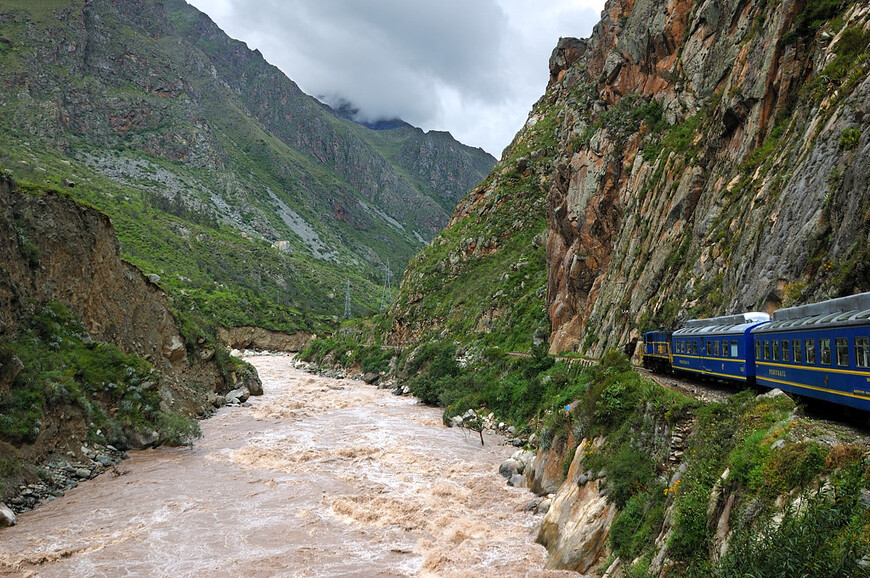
(54, 250)
(711, 161)
(260, 339)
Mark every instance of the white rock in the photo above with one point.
(7, 516)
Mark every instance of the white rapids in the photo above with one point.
(319, 477)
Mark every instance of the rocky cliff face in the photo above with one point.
(692, 159)
(54, 250)
(712, 160)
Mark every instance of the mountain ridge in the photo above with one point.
(152, 104)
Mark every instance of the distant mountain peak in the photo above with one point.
(348, 111)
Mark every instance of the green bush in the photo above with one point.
(629, 473)
(850, 137)
(638, 524)
(825, 533)
(176, 429)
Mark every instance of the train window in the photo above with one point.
(757, 350)
(796, 350)
(733, 349)
(786, 351)
(842, 352)
(716, 348)
(767, 350)
(694, 348)
(862, 351)
(825, 351)
(709, 350)
(724, 349)
(810, 347)
(774, 349)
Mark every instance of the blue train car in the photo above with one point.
(820, 350)
(657, 350)
(720, 347)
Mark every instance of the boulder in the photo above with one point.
(510, 468)
(238, 396)
(525, 457)
(517, 481)
(253, 383)
(771, 394)
(139, 440)
(7, 516)
(371, 377)
(83, 473)
(217, 400)
(9, 370)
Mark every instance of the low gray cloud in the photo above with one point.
(473, 68)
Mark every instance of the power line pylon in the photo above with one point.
(347, 300)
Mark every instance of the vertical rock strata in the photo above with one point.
(712, 158)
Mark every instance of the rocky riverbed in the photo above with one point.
(318, 477)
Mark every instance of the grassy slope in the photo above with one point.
(213, 269)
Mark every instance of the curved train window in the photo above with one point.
(825, 351)
(862, 351)
(733, 349)
(757, 350)
(810, 347)
(842, 351)
(766, 349)
(796, 350)
(774, 349)
(716, 348)
(786, 350)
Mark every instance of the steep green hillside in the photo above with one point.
(253, 202)
(483, 279)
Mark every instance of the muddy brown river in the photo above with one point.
(319, 477)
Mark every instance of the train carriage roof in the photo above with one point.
(726, 325)
(845, 311)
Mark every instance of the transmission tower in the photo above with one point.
(347, 300)
(388, 285)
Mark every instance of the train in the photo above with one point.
(820, 350)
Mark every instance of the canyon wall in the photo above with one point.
(713, 159)
(690, 159)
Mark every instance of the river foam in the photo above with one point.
(319, 477)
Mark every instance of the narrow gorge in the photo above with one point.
(179, 219)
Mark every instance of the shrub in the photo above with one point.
(822, 534)
(176, 429)
(850, 137)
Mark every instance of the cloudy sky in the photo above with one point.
(472, 67)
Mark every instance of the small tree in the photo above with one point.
(476, 423)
